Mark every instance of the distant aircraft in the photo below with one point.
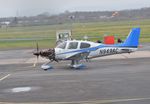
(77, 50)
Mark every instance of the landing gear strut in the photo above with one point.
(76, 65)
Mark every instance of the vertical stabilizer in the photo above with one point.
(133, 38)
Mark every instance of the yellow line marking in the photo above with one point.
(87, 102)
(120, 100)
(101, 101)
(5, 77)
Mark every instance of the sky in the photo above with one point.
(33, 7)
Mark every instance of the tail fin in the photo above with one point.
(133, 38)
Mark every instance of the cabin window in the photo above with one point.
(62, 45)
(73, 45)
(84, 45)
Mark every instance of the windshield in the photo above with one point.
(62, 45)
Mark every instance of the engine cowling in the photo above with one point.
(49, 54)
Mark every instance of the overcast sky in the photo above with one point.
(34, 7)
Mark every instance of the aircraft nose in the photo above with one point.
(50, 53)
(57, 51)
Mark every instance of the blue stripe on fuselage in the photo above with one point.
(97, 47)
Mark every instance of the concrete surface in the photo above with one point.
(118, 80)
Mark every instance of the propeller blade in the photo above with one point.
(34, 64)
(36, 61)
(37, 54)
(37, 47)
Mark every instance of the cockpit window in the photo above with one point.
(84, 45)
(73, 45)
(62, 45)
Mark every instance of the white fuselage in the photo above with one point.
(98, 50)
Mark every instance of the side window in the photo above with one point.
(84, 45)
(62, 45)
(73, 45)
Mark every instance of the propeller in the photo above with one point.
(49, 54)
(37, 54)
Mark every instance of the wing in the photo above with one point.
(78, 56)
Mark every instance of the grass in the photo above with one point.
(27, 44)
(48, 32)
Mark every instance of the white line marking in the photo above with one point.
(5, 77)
(21, 89)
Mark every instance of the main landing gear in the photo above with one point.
(76, 65)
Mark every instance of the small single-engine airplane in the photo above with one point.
(77, 50)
